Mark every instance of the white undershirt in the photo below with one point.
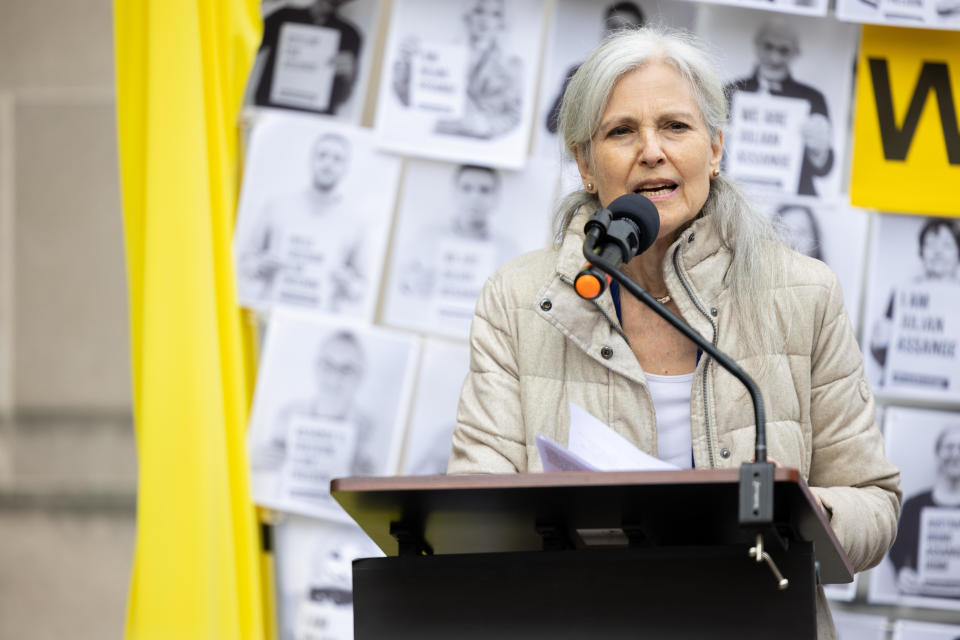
(671, 402)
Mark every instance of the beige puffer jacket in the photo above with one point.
(536, 346)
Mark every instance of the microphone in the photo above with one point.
(616, 235)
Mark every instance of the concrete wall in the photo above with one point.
(67, 459)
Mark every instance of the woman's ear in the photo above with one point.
(583, 164)
(716, 148)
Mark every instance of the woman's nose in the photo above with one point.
(651, 151)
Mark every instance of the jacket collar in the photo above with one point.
(699, 243)
(694, 269)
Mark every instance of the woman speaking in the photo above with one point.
(644, 114)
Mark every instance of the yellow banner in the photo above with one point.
(906, 153)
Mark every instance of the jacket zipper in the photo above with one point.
(706, 364)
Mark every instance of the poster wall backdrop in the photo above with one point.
(362, 250)
(906, 129)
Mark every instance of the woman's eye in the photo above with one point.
(622, 130)
(678, 126)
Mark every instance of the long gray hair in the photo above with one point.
(752, 240)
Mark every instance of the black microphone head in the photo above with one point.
(642, 212)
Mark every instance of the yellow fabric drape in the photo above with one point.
(181, 67)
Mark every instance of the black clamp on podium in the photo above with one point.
(653, 554)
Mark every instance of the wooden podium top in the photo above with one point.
(498, 513)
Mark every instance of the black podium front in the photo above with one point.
(584, 555)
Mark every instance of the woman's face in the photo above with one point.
(653, 140)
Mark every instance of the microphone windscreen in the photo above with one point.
(642, 212)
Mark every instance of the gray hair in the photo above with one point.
(752, 240)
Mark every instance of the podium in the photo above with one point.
(652, 554)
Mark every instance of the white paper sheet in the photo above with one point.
(593, 446)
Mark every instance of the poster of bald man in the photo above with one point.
(311, 232)
(315, 56)
(314, 576)
(922, 568)
(459, 80)
(911, 330)
(929, 14)
(456, 224)
(787, 129)
(443, 367)
(330, 401)
(829, 230)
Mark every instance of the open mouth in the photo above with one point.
(656, 189)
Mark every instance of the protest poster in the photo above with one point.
(456, 224)
(921, 567)
(312, 420)
(763, 146)
(905, 129)
(938, 560)
(828, 230)
(310, 232)
(923, 355)
(577, 26)
(912, 311)
(804, 7)
(303, 76)
(315, 56)
(771, 60)
(459, 80)
(314, 576)
(929, 14)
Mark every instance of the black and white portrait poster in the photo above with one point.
(456, 224)
(459, 79)
(443, 367)
(922, 568)
(929, 14)
(314, 576)
(858, 626)
(806, 7)
(788, 114)
(576, 28)
(315, 56)
(331, 400)
(311, 230)
(829, 230)
(914, 630)
(912, 312)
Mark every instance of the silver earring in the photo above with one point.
(590, 187)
